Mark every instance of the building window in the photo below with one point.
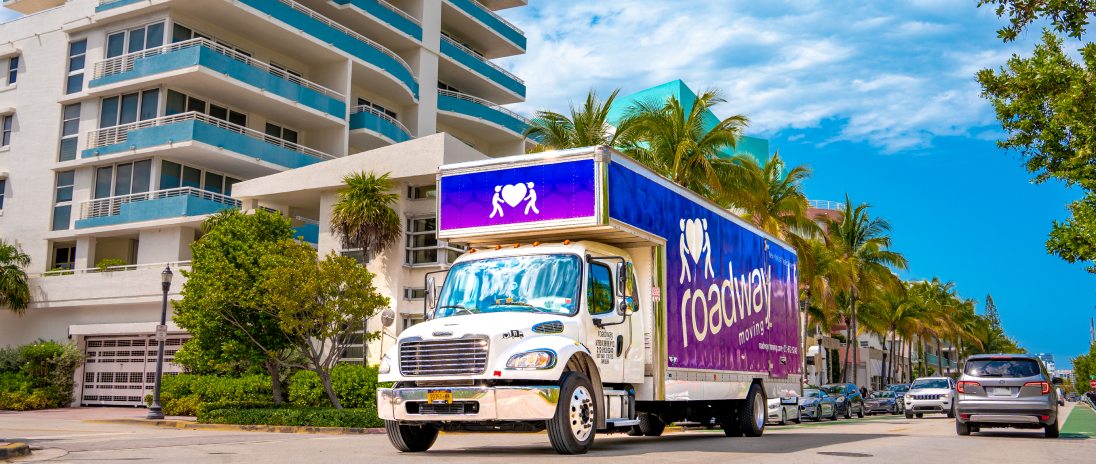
(414, 293)
(424, 192)
(3, 188)
(364, 102)
(284, 70)
(70, 131)
(13, 70)
(64, 257)
(444, 86)
(123, 179)
(135, 40)
(281, 133)
(5, 131)
(178, 103)
(175, 175)
(410, 321)
(77, 54)
(356, 255)
(423, 247)
(62, 201)
(129, 108)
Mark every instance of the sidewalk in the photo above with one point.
(86, 413)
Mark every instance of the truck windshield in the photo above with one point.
(536, 283)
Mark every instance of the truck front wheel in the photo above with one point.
(751, 419)
(571, 430)
(410, 438)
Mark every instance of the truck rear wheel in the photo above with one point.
(650, 425)
(572, 429)
(751, 419)
(410, 438)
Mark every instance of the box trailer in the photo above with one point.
(597, 296)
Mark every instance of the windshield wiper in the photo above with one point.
(524, 305)
(470, 310)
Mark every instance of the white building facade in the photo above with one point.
(126, 123)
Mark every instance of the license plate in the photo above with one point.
(1002, 391)
(439, 396)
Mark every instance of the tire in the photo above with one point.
(650, 425)
(783, 416)
(860, 412)
(634, 431)
(920, 415)
(574, 425)
(962, 428)
(1051, 431)
(834, 416)
(817, 414)
(410, 438)
(751, 419)
(798, 416)
(909, 415)
(848, 411)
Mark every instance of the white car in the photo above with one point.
(931, 395)
(783, 409)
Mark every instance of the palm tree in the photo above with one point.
(775, 200)
(864, 244)
(362, 215)
(587, 127)
(14, 287)
(676, 140)
(820, 272)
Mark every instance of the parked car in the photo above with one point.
(930, 395)
(883, 402)
(1006, 391)
(816, 405)
(848, 398)
(783, 409)
(1061, 397)
(899, 388)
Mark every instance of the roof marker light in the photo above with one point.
(498, 247)
(536, 243)
(517, 245)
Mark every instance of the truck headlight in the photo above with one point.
(386, 365)
(536, 359)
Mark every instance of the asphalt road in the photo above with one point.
(890, 438)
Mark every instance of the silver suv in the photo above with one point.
(930, 395)
(1006, 390)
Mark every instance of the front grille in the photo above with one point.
(444, 357)
(926, 397)
(457, 407)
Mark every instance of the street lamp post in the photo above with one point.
(154, 411)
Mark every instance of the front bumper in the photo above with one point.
(491, 403)
(941, 406)
(869, 407)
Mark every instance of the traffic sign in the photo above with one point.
(161, 333)
(656, 294)
(1092, 383)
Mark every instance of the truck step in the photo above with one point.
(622, 422)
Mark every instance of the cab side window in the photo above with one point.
(599, 289)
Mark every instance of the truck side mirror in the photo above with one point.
(622, 279)
(431, 297)
(625, 308)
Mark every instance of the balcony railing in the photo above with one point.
(119, 134)
(112, 206)
(339, 27)
(382, 115)
(481, 58)
(96, 270)
(480, 101)
(492, 13)
(124, 63)
(399, 12)
(311, 222)
(826, 204)
(108, 2)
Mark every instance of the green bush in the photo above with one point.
(15, 381)
(11, 359)
(38, 375)
(38, 398)
(355, 386)
(105, 264)
(302, 417)
(182, 395)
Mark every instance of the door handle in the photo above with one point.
(619, 345)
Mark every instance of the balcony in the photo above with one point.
(371, 128)
(467, 70)
(310, 231)
(473, 21)
(32, 6)
(202, 139)
(386, 13)
(160, 204)
(472, 114)
(108, 4)
(224, 61)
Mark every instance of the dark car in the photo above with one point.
(899, 388)
(883, 402)
(816, 404)
(1010, 390)
(848, 397)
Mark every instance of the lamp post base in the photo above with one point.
(154, 412)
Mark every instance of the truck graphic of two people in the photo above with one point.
(695, 242)
(513, 195)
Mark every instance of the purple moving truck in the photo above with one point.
(597, 296)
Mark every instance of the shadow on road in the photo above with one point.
(713, 442)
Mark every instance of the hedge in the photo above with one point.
(38, 375)
(182, 395)
(355, 386)
(294, 416)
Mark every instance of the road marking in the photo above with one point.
(899, 430)
(73, 436)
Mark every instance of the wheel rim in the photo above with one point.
(759, 412)
(582, 413)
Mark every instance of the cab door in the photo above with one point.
(608, 339)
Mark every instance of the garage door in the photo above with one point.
(121, 370)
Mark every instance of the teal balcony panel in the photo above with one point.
(209, 134)
(491, 72)
(388, 16)
(328, 34)
(370, 121)
(492, 21)
(310, 232)
(103, 6)
(160, 208)
(205, 57)
(468, 108)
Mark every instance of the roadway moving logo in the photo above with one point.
(513, 195)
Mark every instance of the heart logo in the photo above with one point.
(513, 194)
(694, 238)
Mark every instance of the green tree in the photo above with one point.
(1084, 370)
(587, 126)
(319, 305)
(774, 199)
(224, 302)
(14, 286)
(994, 339)
(362, 215)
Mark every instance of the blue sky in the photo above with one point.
(877, 96)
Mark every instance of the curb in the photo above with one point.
(13, 450)
(190, 425)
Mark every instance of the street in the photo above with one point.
(890, 438)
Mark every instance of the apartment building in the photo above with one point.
(125, 123)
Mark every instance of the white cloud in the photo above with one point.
(895, 74)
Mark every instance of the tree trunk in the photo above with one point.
(939, 362)
(909, 357)
(890, 358)
(856, 346)
(803, 339)
(325, 377)
(848, 347)
(274, 369)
